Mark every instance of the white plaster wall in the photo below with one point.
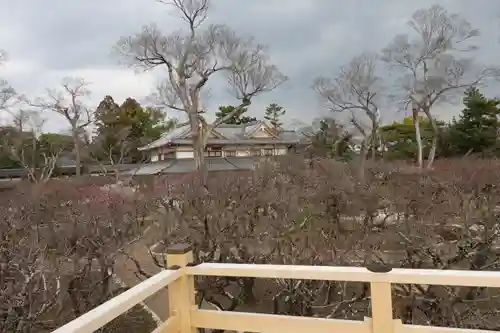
(184, 154)
(154, 158)
(242, 153)
(280, 151)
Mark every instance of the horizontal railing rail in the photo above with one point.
(106, 312)
(185, 317)
(380, 288)
(353, 274)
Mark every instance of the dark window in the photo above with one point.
(231, 153)
(255, 152)
(166, 156)
(213, 153)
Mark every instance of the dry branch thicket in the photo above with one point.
(58, 246)
(318, 213)
(59, 241)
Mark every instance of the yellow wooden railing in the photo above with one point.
(185, 317)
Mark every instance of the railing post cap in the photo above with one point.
(179, 249)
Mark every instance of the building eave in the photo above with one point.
(250, 142)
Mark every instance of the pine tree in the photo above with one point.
(273, 115)
(236, 119)
(476, 130)
(129, 126)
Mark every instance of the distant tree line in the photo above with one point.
(474, 132)
(118, 131)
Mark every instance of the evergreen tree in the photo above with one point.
(273, 115)
(331, 140)
(127, 126)
(237, 119)
(401, 142)
(476, 130)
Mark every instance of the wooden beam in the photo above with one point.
(106, 312)
(181, 294)
(432, 329)
(170, 325)
(266, 323)
(254, 322)
(381, 304)
(358, 274)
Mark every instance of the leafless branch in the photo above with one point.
(429, 61)
(68, 102)
(356, 89)
(192, 57)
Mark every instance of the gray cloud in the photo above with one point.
(307, 38)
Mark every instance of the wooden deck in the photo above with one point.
(185, 317)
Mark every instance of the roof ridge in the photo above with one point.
(239, 125)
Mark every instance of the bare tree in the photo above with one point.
(114, 151)
(356, 89)
(432, 71)
(67, 102)
(191, 58)
(416, 123)
(58, 247)
(22, 144)
(7, 93)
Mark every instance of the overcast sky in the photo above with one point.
(49, 40)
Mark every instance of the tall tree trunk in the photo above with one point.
(374, 138)
(374, 147)
(199, 157)
(34, 160)
(363, 154)
(198, 135)
(78, 161)
(418, 136)
(432, 152)
(435, 132)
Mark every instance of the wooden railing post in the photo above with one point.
(381, 302)
(181, 296)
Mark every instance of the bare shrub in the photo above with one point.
(58, 245)
(319, 213)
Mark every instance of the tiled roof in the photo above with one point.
(251, 129)
(188, 165)
(239, 141)
(176, 133)
(233, 134)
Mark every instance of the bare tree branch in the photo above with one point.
(356, 89)
(429, 63)
(192, 57)
(22, 144)
(68, 102)
(8, 96)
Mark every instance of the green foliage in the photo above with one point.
(237, 119)
(6, 158)
(18, 147)
(54, 143)
(476, 130)
(273, 115)
(121, 129)
(7, 162)
(400, 139)
(331, 140)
